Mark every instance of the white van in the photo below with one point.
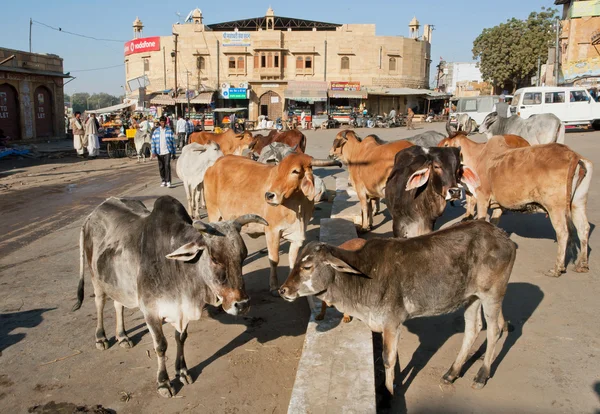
(477, 107)
(574, 106)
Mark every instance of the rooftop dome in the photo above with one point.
(414, 21)
(197, 13)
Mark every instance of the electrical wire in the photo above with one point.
(106, 67)
(60, 29)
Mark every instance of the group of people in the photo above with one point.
(85, 135)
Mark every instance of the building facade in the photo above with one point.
(579, 48)
(31, 95)
(459, 78)
(270, 64)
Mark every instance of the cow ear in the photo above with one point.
(470, 179)
(186, 252)
(308, 186)
(418, 179)
(340, 265)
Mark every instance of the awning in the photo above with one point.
(162, 100)
(304, 95)
(203, 98)
(348, 94)
(427, 93)
(113, 108)
(230, 110)
(433, 96)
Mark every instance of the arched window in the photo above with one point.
(240, 62)
(299, 62)
(200, 63)
(345, 63)
(392, 64)
(231, 63)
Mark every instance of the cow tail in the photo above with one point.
(576, 166)
(81, 269)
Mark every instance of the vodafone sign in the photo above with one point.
(147, 44)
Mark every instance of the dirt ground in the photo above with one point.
(549, 363)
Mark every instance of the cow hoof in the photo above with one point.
(125, 343)
(553, 273)
(448, 378)
(347, 319)
(102, 345)
(185, 378)
(477, 384)
(165, 390)
(320, 317)
(582, 268)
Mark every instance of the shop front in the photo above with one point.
(307, 97)
(234, 100)
(344, 99)
(201, 108)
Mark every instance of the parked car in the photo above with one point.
(477, 107)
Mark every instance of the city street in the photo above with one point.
(548, 363)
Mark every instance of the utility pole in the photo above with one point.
(556, 57)
(175, 56)
(537, 82)
(187, 91)
(164, 69)
(30, 24)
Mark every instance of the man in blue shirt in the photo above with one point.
(163, 147)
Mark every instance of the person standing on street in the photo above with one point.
(163, 147)
(303, 119)
(79, 138)
(181, 132)
(189, 129)
(409, 119)
(91, 132)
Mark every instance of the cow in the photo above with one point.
(470, 156)
(195, 159)
(388, 281)
(229, 141)
(549, 178)
(276, 151)
(283, 194)
(427, 139)
(142, 142)
(369, 166)
(294, 138)
(463, 124)
(350, 245)
(166, 265)
(420, 183)
(537, 129)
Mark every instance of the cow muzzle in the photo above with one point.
(454, 193)
(287, 294)
(272, 198)
(240, 307)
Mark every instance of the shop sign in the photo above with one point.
(234, 93)
(270, 85)
(274, 99)
(147, 44)
(153, 110)
(236, 39)
(345, 86)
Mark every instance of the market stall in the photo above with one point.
(114, 129)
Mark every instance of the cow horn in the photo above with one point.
(469, 126)
(344, 132)
(325, 163)
(450, 130)
(249, 218)
(294, 148)
(202, 226)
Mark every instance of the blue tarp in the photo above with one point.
(10, 151)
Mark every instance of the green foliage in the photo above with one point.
(508, 53)
(83, 100)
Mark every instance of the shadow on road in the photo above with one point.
(11, 321)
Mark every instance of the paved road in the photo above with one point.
(550, 363)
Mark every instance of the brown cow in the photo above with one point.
(283, 193)
(471, 157)
(294, 138)
(369, 166)
(230, 142)
(351, 246)
(548, 178)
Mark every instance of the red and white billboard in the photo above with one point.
(147, 44)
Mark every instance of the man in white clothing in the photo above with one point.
(181, 132)
(303, 119)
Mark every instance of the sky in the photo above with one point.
(457, 23)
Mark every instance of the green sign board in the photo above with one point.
(237, 93)
(588, 8)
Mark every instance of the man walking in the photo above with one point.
(303, 119)
(91, 133)
(181, 132)
(409, 119)
(163, 147)
(79, 138)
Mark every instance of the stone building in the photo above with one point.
(31, 95)
(270, 64)
(579, 51)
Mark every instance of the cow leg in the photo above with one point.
(559, 222)
(365, 206)
(470, 204)
(321, 314)
(473, 325)
(189, 197)
(492, 307)
(100, 299)
(121, 334)
(483, 203)
(582, 225)
(273, 248)
(376, 205)
(201, 201)
(295, 247)
(391, 336)
(180, 366)
(495, 219)
(160, 347)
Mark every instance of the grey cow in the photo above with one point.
(388, 281)
(537, 129)
(166, 265)
(427, 139)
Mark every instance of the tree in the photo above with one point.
(508, 54)
(83, 100)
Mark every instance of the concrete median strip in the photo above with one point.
(335, 373)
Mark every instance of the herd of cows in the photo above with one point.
(170, 264)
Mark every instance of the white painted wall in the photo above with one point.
(463, 71)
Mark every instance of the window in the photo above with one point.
(308, 62)
(516, 99)
(532, 98)
(579, 96)
(299, 62)
(256, 61)
(345, 63)
(276, 64)
(263, 61)
(231, 63)
(146, 65)
(554, 97)
(470, 105)
(269, 60)
(200, 63)
(392, 64)
(241, 63)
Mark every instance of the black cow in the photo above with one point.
(166, 265)
(420, 183)
(388, 281)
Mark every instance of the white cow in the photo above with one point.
(195, 159)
